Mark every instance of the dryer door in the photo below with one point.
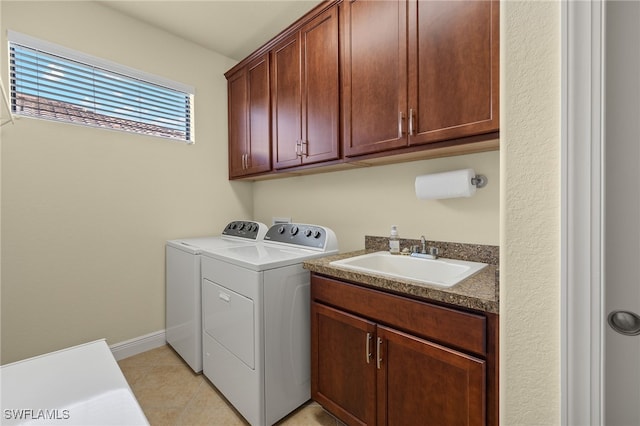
(228, 317)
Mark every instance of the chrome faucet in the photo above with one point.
(433, 251)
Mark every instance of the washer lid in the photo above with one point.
(236, 233)
(196, 245)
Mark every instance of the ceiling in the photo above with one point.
(232, 28)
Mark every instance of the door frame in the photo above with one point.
(582, 213)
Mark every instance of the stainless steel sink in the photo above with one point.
(441, 272)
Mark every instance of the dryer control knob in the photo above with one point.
(294, 230)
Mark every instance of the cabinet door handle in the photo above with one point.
(400, 126)
(410, 121)
(298, 149)
(244, 161)
(379, 353)
(305, 148)
(368, 349)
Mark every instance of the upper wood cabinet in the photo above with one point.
(363, 82)
(248, 109)
(374, 78)
(454, 58)
(305, 94)
(418, 72)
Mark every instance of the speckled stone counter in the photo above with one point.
(479, 292)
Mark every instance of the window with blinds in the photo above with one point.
(54, 83)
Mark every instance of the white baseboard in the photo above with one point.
(138, 345)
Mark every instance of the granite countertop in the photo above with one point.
(479, 292)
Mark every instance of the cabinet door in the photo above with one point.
(305, 90)
(259, 143)
(248, 110)
(286, 103)
(420, 382)
(237, 111)
(343, 364)
(453, 69)
(374, 79)
(320, 94)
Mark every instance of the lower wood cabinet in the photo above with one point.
(343, 372)
(375, 361)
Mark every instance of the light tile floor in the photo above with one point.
(170, 393)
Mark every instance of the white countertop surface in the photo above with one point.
(81, 385)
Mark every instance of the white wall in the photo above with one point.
(85, 212)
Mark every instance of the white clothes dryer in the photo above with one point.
(183, 287)
(256, 320)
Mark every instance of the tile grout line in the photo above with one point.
(186, 405)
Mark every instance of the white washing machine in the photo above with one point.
(256, 320)
(183, 285)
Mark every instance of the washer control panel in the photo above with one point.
(311, 236)
(245, 229)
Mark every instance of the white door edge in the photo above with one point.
(582, 304)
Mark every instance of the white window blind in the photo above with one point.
(55, 83)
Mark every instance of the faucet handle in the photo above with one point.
(423, 241)
(433, 251)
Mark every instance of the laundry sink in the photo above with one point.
(441, 272)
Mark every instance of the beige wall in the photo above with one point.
(367, 201)
(530, 213)
(85, 212)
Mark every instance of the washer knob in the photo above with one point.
(281, 229)
(317, 234)
(294, 230)
(307, 233)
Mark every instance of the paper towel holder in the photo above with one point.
(480, 181)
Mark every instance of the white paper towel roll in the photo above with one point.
(452, 184)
